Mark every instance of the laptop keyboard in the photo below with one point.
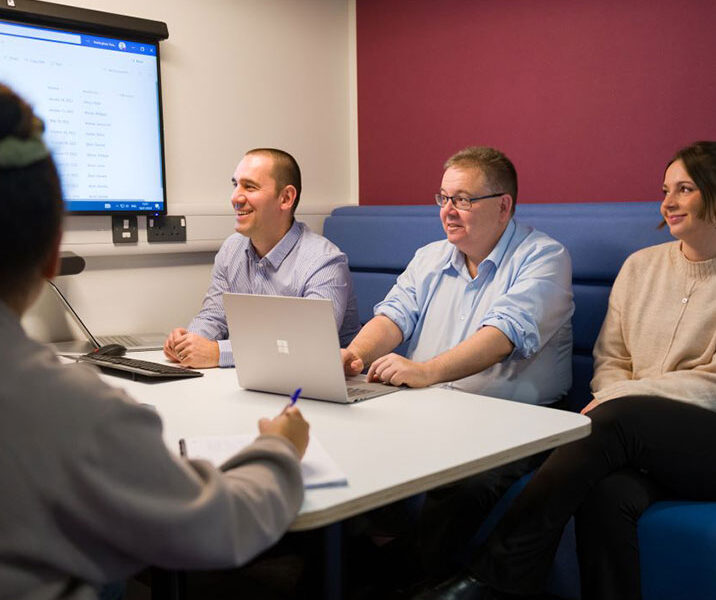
(355, 391)
(124, 340)
(138, 367)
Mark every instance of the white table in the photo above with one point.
(390, 447)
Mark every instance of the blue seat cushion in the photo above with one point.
(677, 548)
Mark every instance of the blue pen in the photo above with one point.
(295, 396)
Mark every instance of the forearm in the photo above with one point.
(377, 337)
(612, 360)
(694, 387)
(484, 348)
(161, 510)
(236, 514)
(609, 373)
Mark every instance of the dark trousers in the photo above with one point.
(641, 450)
(428, 544)
(453, 514)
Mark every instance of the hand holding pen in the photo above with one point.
(294, 397)
(289, 424)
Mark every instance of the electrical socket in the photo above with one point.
(166, 229)
(124, 229)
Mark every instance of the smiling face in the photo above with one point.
(682, 207)
(477, 231)
(263, 212)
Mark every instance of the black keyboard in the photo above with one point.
(138, 367)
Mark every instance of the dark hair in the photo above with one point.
(700, 162)
(498, 169)
(30, 200)
(285, 170)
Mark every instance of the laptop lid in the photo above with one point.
(133, 342)
(283, 343)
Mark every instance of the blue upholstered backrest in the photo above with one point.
(381, 240)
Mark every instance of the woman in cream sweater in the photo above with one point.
(653, 413)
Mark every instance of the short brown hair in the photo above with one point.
(285, 170)
(498, 169)
(699, 159)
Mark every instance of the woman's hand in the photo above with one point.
(291, 425)
(591, 406)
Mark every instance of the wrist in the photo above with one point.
(432, 371)
(356, 352)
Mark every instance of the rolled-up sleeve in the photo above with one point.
(404, 302)
(535, 305)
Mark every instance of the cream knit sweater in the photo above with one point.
(659, 335)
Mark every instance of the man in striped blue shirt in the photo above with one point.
(272, 254)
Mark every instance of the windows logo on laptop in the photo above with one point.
(281, 343)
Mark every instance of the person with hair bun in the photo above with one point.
(90, 492)
(653, 415)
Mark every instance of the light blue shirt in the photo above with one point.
(302, 264)
(523, 288)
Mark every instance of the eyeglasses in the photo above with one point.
(462, 203)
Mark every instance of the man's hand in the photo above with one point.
(591, 406)
(291, 425)
(191, 350)
(170, 343)
(352, 363)
(398, 370)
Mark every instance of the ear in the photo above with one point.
(51, 265)
(288, 197)
(506, 203)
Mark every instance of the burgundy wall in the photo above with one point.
(589, 99)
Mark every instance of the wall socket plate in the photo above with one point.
(166, 229)
(124, 229)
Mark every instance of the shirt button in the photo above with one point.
(462, 317)
(684, 300)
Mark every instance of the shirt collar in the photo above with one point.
(457, 258)
(498, 252)
(280, 251)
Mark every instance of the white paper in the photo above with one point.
(318, 467)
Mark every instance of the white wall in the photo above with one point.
(236, 74)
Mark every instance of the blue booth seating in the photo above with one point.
(677, 539)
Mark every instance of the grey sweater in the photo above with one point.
(91, 494)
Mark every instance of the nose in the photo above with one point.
(448, 209)
(237, 197)
(669, 200)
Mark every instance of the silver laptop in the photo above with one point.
(283, 343)
(132, 342)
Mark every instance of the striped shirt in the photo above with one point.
(302, 264)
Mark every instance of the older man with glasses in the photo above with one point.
(487, 310)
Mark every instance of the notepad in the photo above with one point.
(318, 467)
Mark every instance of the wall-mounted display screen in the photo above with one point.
(100, 99)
